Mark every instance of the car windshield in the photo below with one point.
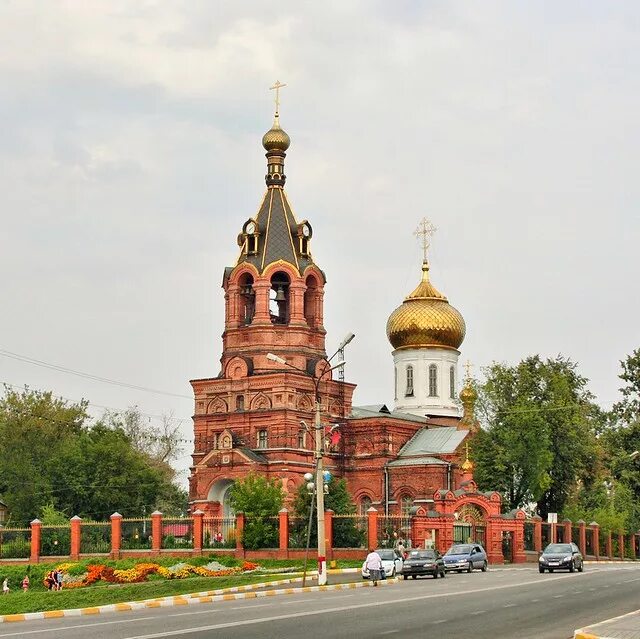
(422, 554)
(387, 555)
(460, 549)
(557, 548)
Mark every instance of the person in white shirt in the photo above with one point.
(373, 562)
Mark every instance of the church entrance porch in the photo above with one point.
(470, 525)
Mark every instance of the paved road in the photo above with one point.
(500, 604)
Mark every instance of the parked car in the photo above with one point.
(561, 557)
(423, 562)
(465, 557)
(391, 563)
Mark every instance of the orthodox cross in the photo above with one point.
(466, 449)
(467, 367)
(424, 232)
(277, 86)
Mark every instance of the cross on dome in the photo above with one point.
(277, 86)
(467, 367)
(424, 232)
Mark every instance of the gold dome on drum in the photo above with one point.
(425, 318)
(276, 138)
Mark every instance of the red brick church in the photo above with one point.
(252, 415)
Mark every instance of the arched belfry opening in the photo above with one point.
(279, 298)
(311, 302)
(247, 298)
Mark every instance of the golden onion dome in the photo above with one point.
(425, 318)
(276, 138)
(467, 465)
(468, 394)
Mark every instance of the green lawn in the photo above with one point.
(38, 598)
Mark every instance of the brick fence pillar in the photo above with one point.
(76, 536)
(537, 533)
(582, 536)
(566, 530)
(240, 521)
(328, 533)
(197, 531)
(116, 535)
(36, 534)
(156, 531)
(283, 528)
(595, 537)
(372, 528)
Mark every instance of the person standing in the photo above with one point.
(373, 563)
(25, 583)
(5, 586)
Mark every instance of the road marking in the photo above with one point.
(389, 632)
(82, 625)
(323, 610)
(509, 606)
(478, 612)
(535, 600)
(244, 607)
(558, 596)
(440, 621)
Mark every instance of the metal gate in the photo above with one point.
(470, 526)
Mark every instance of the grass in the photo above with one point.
(39, 599)
(35, 601)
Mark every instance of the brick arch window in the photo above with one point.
(246, 298)
(409, 388)
(311, 301)
(406, 504)
(279, 298)
(364, 505)
(240, 403)
(262, 440)
(433, 380)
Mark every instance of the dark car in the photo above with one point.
(423, 562)
(561, 557)
(465, 557)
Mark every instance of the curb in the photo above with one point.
(226, 594)
(587, 631)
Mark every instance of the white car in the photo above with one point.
(391, 563)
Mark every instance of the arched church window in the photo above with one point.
(364, 505)
(452, 382)
(247, 299)
(262, 439)
(240, 402)
(406, 504)
(433, 380)
(302, 440)
(248, 239)
(310, 301)
(279, 298)
(409, 391)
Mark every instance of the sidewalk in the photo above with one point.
(623, 627)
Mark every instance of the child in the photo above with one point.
(5, 586)
(25, 583)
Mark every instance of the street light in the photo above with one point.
(322, 550)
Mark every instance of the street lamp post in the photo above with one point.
(318, 452)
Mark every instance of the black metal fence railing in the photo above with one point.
(575, 535)
(135, 534)
(177, 533)
(546, 534)
(95, 537)
(349, 531)
(393, 527)
(560, 534)
(589, 547)
(55, 541)
(298, 532)
(15, 543)
(529, 541)
(219, 532)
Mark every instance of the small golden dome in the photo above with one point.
(425, 318)
(468, 394)
(467, 465)
(276, 138)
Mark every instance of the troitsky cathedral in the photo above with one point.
(253, 415)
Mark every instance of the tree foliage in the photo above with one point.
(260, 499)
(539, 436)
(51, 455)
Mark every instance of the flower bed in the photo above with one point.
(141, 572)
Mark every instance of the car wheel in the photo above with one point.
(470, 568)
(414, 576)
(572, 567)
(550, 569)
(541, 569)
(484, 567)
(405, 577)
(458, 571)
(581, 567)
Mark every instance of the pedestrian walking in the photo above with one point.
(58, 579)
(25, 583)
(373, 563)
(5, 586)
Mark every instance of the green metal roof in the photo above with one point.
(440, 440)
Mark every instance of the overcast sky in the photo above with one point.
(130, 156)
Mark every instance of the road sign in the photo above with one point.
(552, 518)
